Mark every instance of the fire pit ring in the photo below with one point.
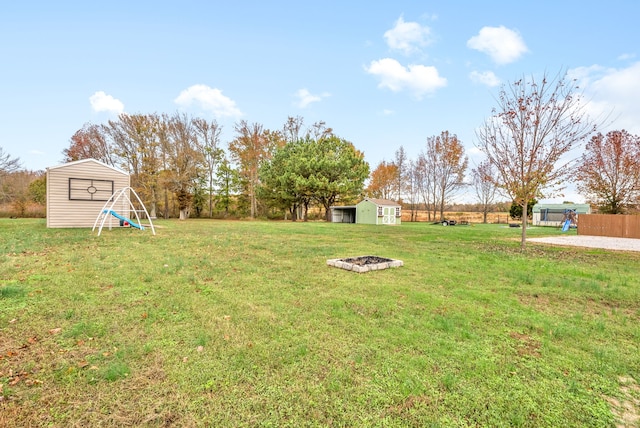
(363, 264)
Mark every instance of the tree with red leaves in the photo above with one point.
(609, 171)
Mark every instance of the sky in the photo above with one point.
(381, 74)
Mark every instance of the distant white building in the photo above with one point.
(555, 214)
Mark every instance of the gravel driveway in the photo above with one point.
(607, 243)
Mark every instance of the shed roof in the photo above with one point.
(383, 202)
(584, 208)
(91, 160)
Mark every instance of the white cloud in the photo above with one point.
(305, 97)
(209, 99)
(626, 56)
(407, 37)
(612, 93)
(487, 78)
(36, 152)
(500, 43)
(103, 102)
(418, 79)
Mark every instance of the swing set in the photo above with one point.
(108, 213)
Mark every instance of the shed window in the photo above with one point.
(379, 211)
(397, 211)
(87, 189)
(550, 214)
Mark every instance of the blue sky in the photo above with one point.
(381, 74)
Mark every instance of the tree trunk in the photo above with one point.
(523, 238)
(166, 204)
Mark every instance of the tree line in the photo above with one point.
(178, 165)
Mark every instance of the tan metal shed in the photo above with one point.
(77, 191)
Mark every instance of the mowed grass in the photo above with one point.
(232, 323)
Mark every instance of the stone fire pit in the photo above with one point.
(362, 264)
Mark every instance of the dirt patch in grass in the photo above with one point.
(626, 409)
(527, 346)
(589, 307)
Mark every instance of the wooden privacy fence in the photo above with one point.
(615, 225)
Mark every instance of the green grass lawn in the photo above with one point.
(228, 323)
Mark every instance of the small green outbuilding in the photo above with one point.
(368, 211)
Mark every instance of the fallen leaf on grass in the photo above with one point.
(200, 348)
(55, 330)
(13, 321)
(32, 340)
(82, 364)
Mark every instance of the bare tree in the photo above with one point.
(319, 131)
(529, 134)
(412, 188)
(484, 184)
(208, 140)
(425, 182)
(292, 128)
(446, 164)
(400, 162)
(8, 164)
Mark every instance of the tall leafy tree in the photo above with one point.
(227, 182)
(527, 137)
(340, 172)
(185, 159)
(285, 179)
(308, 170)
(134, 138)
(609, 171)
(251, 147)
(383, 182)
(90, 142)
